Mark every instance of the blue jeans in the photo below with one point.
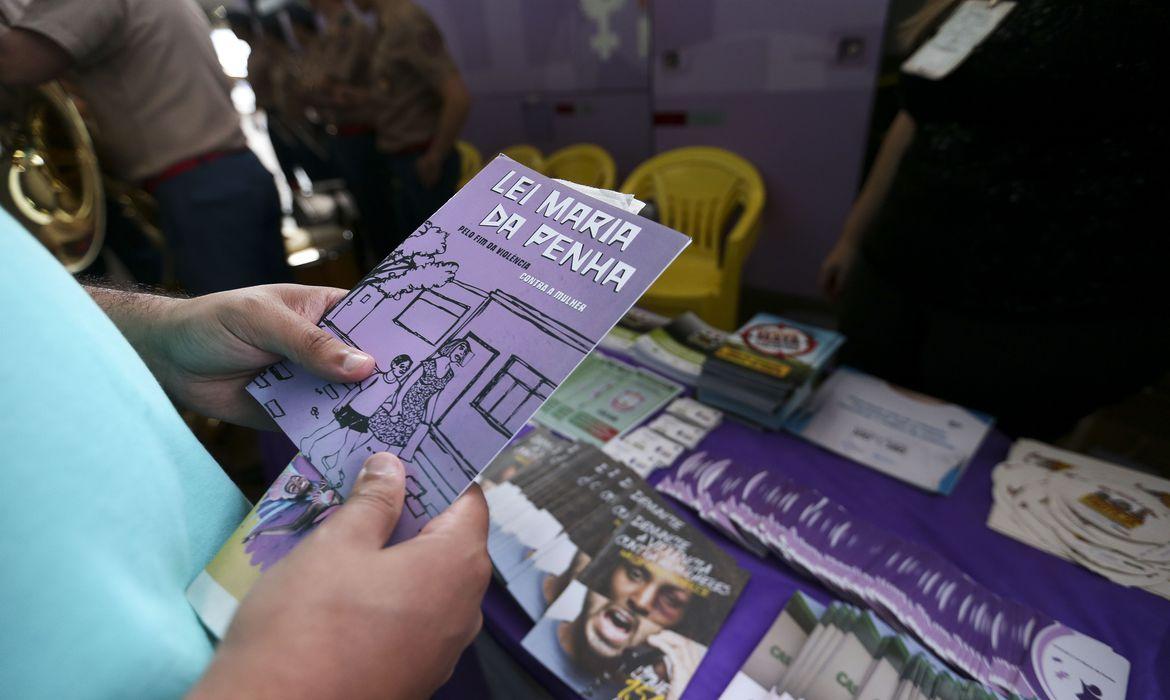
(222, 223)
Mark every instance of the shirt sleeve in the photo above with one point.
(86, 29)
(427, 52)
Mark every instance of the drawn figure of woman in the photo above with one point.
(415, 405)
(334, 442)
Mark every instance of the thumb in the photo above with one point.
(316, 349)
(466, 519)
(370, 513)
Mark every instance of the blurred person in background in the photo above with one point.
(164, 118)
(421, 104)
(290, 70)
(1007, 247)
(349, 113)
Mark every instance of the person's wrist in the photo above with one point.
(144, 319)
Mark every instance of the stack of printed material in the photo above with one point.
(842, 652)
(910, 436)
(683, 425)
(997, 641)
(472, 323)
(626, 596)
(680, 348)
(1109, 519)
(603, 398)
(636, 323)
(767, 369)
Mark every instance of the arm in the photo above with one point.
(27, 58)
(204, 351)
(452, 115)
(873, 194)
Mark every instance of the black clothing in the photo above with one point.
(1016, 264)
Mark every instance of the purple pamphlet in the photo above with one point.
(473, 322)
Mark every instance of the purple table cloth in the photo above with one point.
(1135, 623)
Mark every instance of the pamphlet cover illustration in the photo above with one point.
(473, 322)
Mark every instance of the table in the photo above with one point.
(1135, 623)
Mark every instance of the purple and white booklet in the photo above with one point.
(473, 321)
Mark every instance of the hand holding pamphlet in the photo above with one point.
(473, 323)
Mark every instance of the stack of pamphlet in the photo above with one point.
(603, 398)
(679, 349)
(636, 323)
(841, 652)
(626, 595)
(1109, 519)
(997, 641)
(682, 426)
(767, 369)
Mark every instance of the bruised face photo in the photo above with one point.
(644, 599)
(608, 628)
(297, 485)
(650, 592)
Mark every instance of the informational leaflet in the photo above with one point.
(910, 436)
(639, 617)
(603, 398)
(473, 322)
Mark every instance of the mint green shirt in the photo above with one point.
(110, 504)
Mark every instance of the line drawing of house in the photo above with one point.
(490, 398)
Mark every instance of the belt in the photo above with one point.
(413, 148)
(150, 184)
(354, 129)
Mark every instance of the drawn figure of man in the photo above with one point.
(350, 427)
(299, 492)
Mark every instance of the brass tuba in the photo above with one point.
(49, 176)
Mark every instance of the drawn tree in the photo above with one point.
(413, 267)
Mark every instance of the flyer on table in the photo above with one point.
(473, 322)
(910, 436)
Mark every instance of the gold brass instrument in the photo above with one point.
(49, 176)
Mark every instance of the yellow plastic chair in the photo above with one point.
(702, 191)
(526, 155)
(583, 163)
(470, 162)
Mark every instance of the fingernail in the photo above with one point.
(352, 359)
(382, 464)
